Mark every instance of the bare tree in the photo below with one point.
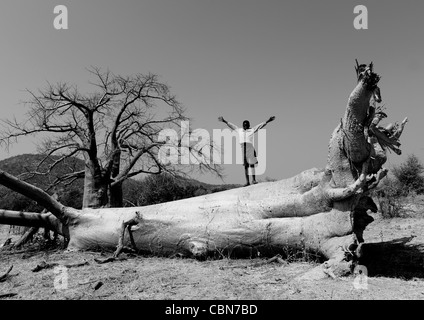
(114, 129)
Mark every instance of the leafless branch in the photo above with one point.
(115, 127)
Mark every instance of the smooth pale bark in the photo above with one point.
(263, 218)
(260, 218)
(32, 219)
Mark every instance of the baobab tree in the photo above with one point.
(324, 210)
(115, 130)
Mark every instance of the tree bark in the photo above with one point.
(34, 193)
(116, 195)
(95, 187)
(261, 218)
(31, 219)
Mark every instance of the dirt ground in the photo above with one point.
(394, 257)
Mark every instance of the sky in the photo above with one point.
(240, 59)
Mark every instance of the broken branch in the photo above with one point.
(5, 276)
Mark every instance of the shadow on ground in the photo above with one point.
(396, 259)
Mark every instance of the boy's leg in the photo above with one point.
(246, 174)
(253, 174)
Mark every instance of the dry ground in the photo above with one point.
(394, 258)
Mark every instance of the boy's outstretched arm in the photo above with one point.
(263, 124)
(270, 119)
(229, 124)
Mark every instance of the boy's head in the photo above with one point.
(246, 124)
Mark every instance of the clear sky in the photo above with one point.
(242, 59)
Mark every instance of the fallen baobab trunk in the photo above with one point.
(263, 218)
(323, 210)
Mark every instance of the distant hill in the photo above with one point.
(152, 189)
(21, 165)
(207, 186)
(161, 188)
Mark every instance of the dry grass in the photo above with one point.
(394, 258)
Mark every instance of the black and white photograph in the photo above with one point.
(228, 152)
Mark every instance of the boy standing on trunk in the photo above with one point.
(246, 141)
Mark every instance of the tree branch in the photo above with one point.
(32, 219)
(34, 193)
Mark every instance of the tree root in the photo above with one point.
(6, 243)
(126, 225)
(27, 236)
(339, 194)
(277, 258)
(7, 295)
(45, 265)
(374, 180)
(110, 259)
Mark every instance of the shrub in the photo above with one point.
(390, 197)
(409, 175)
(395, 191)
(160, 188)
(72, 198)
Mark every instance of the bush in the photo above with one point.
(409, 175)
(10, 200)
(72, 198)
(393, 192)
(160, 188)
(390, 197)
